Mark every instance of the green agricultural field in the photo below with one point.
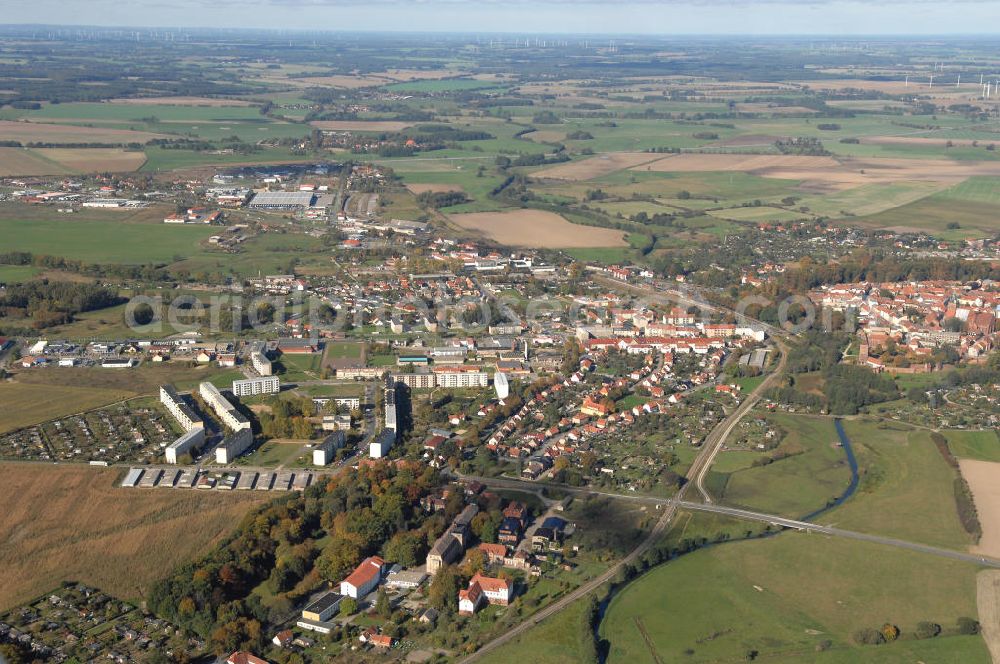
(165, 113)
(978, 445)
(814, 471)
(768, 596)
(906, 489)
(159, 159)
(13, 274)
(608, 255)
(110, 241)
(869, 199)
(759, 213)
(975, 189)
(934, 214)
(440, 85)
(464, 177)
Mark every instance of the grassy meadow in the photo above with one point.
(74, 523)
(768, 596)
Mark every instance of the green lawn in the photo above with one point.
(345, 350)
(608, 255)
(299, 367)
(558, 640)
(979, 445)
(109, 241)
(906, 489)
(272, 455)
(787, 595)
(814, 473)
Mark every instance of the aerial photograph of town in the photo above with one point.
(527, 332)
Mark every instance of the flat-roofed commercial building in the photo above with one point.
(282, 200)
(249, 387)
(323, 608)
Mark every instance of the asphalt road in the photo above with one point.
(700, 466)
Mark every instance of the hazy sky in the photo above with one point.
(523, 16)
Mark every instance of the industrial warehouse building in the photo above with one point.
(249, 387)
(282, 200)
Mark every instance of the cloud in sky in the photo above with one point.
(535, 16)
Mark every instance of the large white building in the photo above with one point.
(364, 578)
(323, 453)
(187, 442)
(379, 447)
(179, 409)
(462, 376)
(222, 407)
(260, 363)
(417, 381)
(233, 445)
(249, 387)
(390, 404)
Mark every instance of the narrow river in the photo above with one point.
(852, 463)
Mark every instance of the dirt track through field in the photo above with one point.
(538, 229)
(988, 605)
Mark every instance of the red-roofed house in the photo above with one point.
(243, 657)
(484, 588)
(364, 578)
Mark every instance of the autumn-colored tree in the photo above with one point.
(890, 632)
(443, 592)
(475, 562)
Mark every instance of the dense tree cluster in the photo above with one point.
(54, 303)
(294, 545)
